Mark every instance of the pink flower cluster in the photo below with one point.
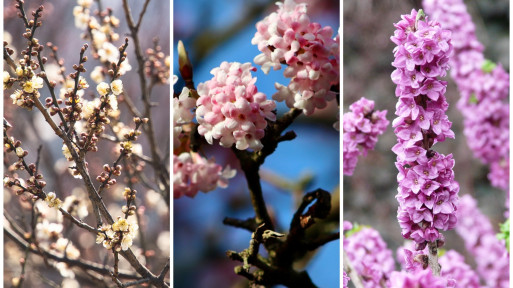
(345, 279)
(362, 126)
(193, 173)
(427, 192)
(454, 267)
(420, 279)
(370, 256)
(231, 109)
(484, 89)
(480, 240)
(311, 55)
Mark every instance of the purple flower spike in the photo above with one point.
(484, 89)
(427, 190)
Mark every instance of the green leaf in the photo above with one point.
(441, 252)
(504, 233)
(356, 229)
(488, 66)
(420, 15)
(473, 99)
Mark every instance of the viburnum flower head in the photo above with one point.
(307, 49)
(193, 173)
(231, 109)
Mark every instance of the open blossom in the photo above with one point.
(108, 53)
(52, 200)
(484, 90)
(370, 256)
(193, 173)
(31, 86)
(427, 192)
(231, 109)
(480, 240)
(116, 87)
(362, 126)
(310, 54)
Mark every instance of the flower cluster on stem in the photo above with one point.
(370, 256)
(427, 192)
(193, 173)
(484, 90)
(491, 256)
(288, 37)
(231, 109)
(362, 126)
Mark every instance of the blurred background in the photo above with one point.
(221, 30)
(29, 127)
(369, 195)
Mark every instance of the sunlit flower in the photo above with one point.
(103, 88)
(33, 84)
(116, 87)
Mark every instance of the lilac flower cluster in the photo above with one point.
(420, 279)
(454, 267)
(362, 126)
(484, 89)
(481, 242)
(427, 190)
(370, 256)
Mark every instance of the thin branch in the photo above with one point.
(355, 278)
(84, 264)
(322, 240)
(248, 224)
(138, 25)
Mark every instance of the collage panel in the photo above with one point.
(255, 102)
(426, 143)
(86, 144)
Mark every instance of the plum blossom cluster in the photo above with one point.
(101, 32)
(118, 236)
(370, 256)
(193, 173)
(427, 192)
(29, 82)
(484, 89)
(231, 109)
(362, 126)
(482, 243)
(288, 37)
